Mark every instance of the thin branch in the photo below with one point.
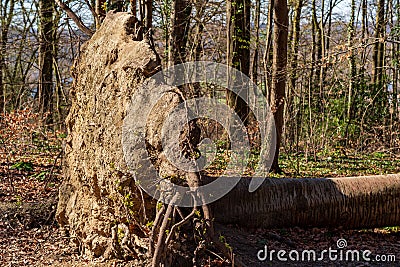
(175, 226)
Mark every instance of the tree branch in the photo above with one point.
(74, 17)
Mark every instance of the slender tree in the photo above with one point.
(268, 50)
(294, 74)
(257, 14)
(179, 31)
(379, 44)
(238, 54)
(46, 55)
(7, 13)
(279, 72)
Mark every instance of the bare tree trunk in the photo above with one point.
(100, 12)
(238, 54)
(46, 55)
(291, 95)
(148, 13)
(267, 53)
(257, 32)
(317, 42)
(295, 43)
(279, 72)
(379, 45)
(351, 202)
(352, 66)
(133, 6)
(7, 13)
(180, 15)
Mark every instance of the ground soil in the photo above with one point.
(29, 236)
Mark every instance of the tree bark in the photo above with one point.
(293, 114)
(238, 51)
(148, 13)
(180, 16)
(46, 54)
(133, 5)
(279, 72)
(100, 12)
(352, 68)
(350, 202)
(254, 75)
(7, 13)
(267, 53)
(379, 45)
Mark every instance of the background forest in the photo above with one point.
(342, 72)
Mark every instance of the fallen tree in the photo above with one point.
(349, 202)
(105, 212)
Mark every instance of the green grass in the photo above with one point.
(327, 163)
(334, 164)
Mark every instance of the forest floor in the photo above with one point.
(29, 236)
(30, 175)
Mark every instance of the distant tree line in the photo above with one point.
(335, 83)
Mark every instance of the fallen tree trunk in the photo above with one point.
(350, 202)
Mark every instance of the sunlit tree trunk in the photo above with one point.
(279, 72)
(268, 50)
(379, 45)
(100, 12)
(291, 130)
(352, 67)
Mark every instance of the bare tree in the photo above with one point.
(46, 55)
(7, 13)
(238, 50)
(179, 31)
(279, 73)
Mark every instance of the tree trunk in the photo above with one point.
(267, 53)
(293, 114)
(279, 73)
(317, 43)
(350, 202)
(257, 14)
(238, 52)
(352, 69)
(46, 55)
(379, 45)
(100, 12)
(148, 17)
(295, 43)
(180, 15)
(133, 6)
(7, 13)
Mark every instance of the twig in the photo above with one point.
(179, 224)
